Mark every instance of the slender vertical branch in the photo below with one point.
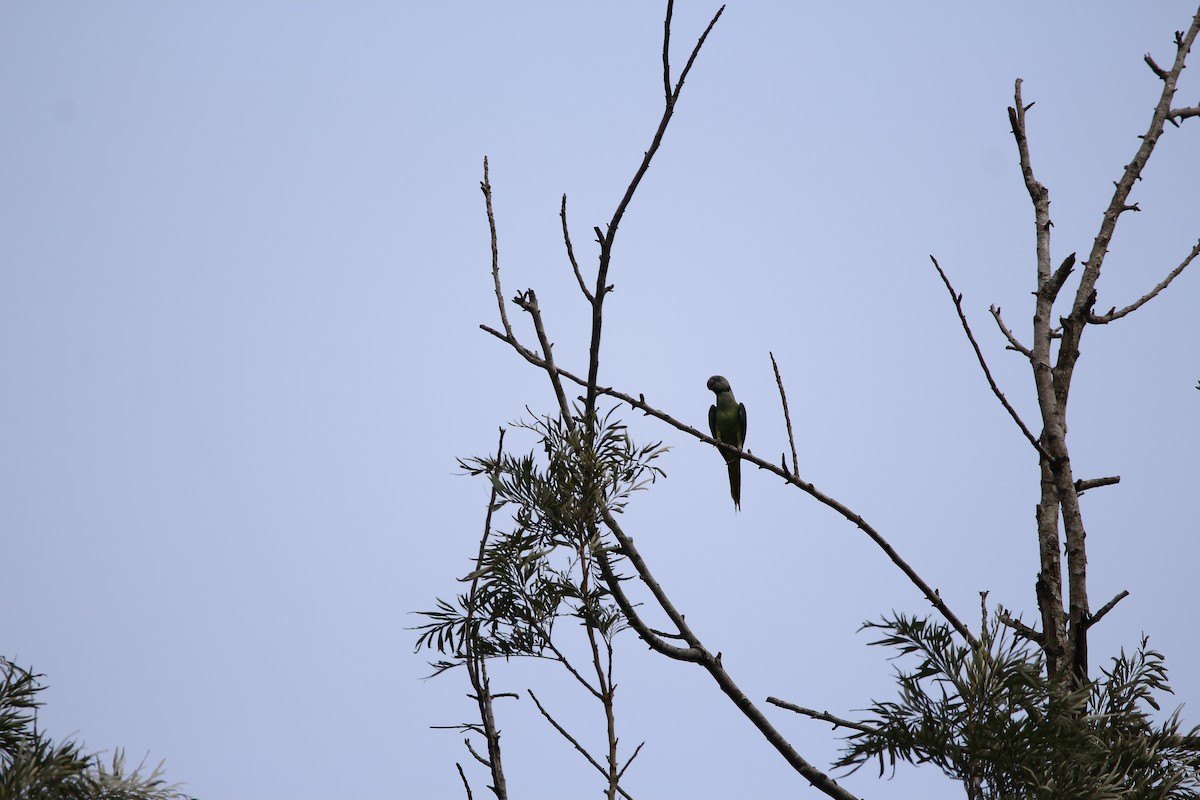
(477, 664)
(1058, 646)
(608, 238)
(486, 187)
(571, 250)
(787, 416)
(606, 690)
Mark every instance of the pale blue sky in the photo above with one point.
(242, 266)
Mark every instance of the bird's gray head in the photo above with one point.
(717, 383)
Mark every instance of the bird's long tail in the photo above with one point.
(735, 481)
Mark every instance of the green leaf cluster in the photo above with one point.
(543, 568)
(32, 767)
(988, 716)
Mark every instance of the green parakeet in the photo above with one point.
(727, 422)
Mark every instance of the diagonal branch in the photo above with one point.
(1085, 295)
(639, 403)
(1020, 628)
(1104, 319)
(1107, 607)
(697, 653)
(1012, 412)
(1013, 343)
(528, 302)
(574, 742)
(636, 750)
(824, 716)
(1083, 484)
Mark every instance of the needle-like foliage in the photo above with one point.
(32, 767)
(988, 716)
(541, 569)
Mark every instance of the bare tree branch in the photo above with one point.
(562, 659)
(1154, 67)
(1056, 644)
(471, 749)
(571, 251)
(1083, 485)
(528, 302)
(486, 187)
(1058, 278)
(1104, 319)
(1012, 412)
(466, 784)
(608, 238)
(697, 653)
(1107, 607)
(1177, 115)
(1020, 628)
(1013, 344)
(655, 642)
(824, 716)
(574, 742)
(787, 416)
(636, 750)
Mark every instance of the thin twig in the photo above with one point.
(1057, 493)
(528, 302)
(837, 722)
(697, 653)
(476, 755)
(1107, 607)
(787, 416)
(636, 750)
(1084, 484)
(562, 659)
(1020, 628)
(1012, 412)
(608, 238)
(486, 186)
(476, 665)
(1154, 67)
(1013, 344)
(1104, 319)
(574, 742)
(666, 51)
(571, 250)
(1177, 115)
